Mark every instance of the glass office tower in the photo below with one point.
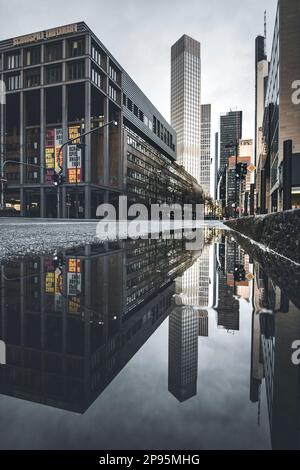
(206, 158)
(186, 102)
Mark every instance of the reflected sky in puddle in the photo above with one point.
(142, 344)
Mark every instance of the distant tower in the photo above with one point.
(230, 132)
(186, 102)
(205, 157)
(261, 77)
(265, 30)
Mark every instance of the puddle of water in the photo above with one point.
(143, 344)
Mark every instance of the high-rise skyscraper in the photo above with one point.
(230, 132)
(261, 77)
(205, 157)
(216, 168)
(186, 102)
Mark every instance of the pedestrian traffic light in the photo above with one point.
(239, 273)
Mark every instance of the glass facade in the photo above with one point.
(271, 121)
(186, 103)
(205, 161)
(231, 125)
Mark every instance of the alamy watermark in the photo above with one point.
(2, 92)
(2, 353)
(296, 93)
(296, 353)
(157, 221)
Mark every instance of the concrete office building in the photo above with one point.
(63, 82)
(186, 103)
(281, 121)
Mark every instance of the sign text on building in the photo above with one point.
(50, 33)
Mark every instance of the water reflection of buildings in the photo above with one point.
(186, 324)
(276, 325)
(229, 288)
(71, 324)
(183, 353)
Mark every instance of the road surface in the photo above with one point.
(22, 236)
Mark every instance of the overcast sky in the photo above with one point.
(139, 34)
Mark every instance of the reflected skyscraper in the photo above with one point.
(203, 323)
(183, 353)
(227, 303)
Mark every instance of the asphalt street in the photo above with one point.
(22, 237)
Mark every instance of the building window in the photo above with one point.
(14, 82)
(147, 122)
(141, 116)
(158, 128)
(154, 124)
(32, 78)
(76, 70)
(76, 47)
(32, 56)
(96, 77)
(124, 99)
(113, 93)
(135, 110)
(113, 73)
(54, 74)
(53, 52)
(129, 104)
(13, 61)
(96, 55)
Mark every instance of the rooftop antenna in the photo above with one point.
(265, 33)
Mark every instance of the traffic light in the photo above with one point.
(241, 170)
(239, 273)
(244, 170)
(62, 179)
(58, 179)
(80, 146)
(238, 170)
(58, 262)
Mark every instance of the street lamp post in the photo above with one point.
(69, 142)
